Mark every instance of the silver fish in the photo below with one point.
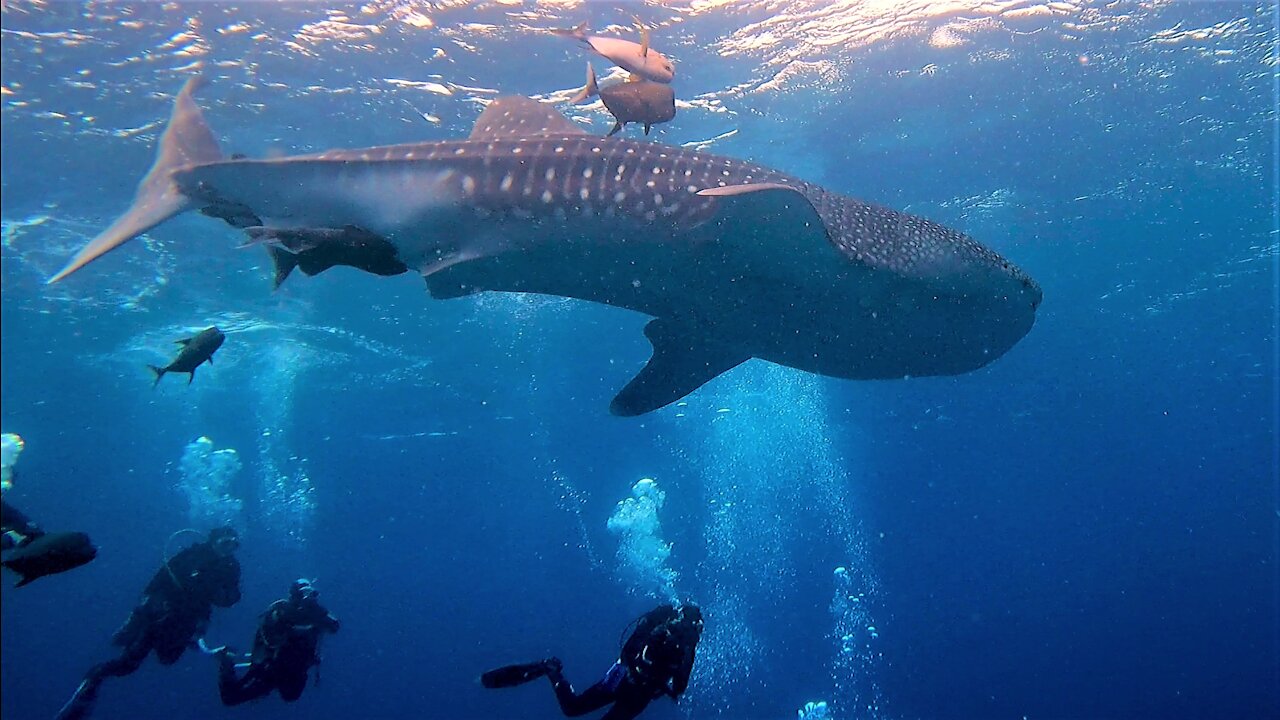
(637, 58)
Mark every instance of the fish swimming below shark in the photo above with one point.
(732, 260)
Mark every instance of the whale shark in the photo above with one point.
(731, 260)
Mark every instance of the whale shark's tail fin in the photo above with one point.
(187, 140)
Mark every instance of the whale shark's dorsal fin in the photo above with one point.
(520, 117)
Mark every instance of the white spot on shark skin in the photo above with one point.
(559, 149)
(550, 174)
(469, 185)
(460, 151)
(584, 194)
(650, 216)
(560, 214)
(546, 196)
(650, 184)
(657, 171)
(410, 155)
(672, 209)
(691, 188)
(586, 174)
(595, 149)
(507, 180)
(657, 199)
(619, 196)
(622, 170)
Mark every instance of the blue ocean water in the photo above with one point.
(1086, 528)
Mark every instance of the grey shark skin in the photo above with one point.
(732, 260)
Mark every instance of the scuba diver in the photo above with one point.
(285, 648)
(656, 660)
(31, 552)
(172, 614)
(18, 529)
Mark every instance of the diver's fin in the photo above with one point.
(591, 89)
(684, 359)
(513, 675)
(617, 126)
(183, 341)
(187, 140)
(159, 371)
(283, 262)
(191, 377)
(25, 579)
(646, 128)
(210, 360)
(644, 39)
(82, 700)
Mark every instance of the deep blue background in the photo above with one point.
(1088, 528)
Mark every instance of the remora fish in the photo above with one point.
(732, 259)
(643, 101)
(49, 554)
(637, 58)
(196, 350)
(314, 250)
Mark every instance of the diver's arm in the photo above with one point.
(330, 623)
(680, 680)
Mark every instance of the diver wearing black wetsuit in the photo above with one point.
(285, 648)
(17, 528)
(173, 613)
(656, 660)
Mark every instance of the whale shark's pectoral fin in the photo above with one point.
(684, 359)
(186, 141)
(282, 264)
(440, 284)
